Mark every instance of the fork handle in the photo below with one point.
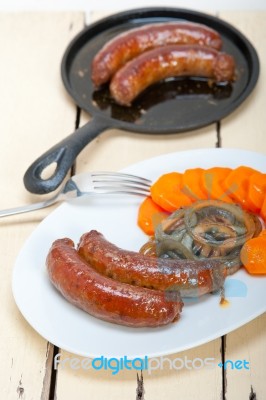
(63, 154)
(28, 208)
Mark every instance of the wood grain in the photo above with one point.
(201, 384)
(114, 150)
(35, 112)
(247, 343)
(246, 127)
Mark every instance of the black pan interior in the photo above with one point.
(176, 105)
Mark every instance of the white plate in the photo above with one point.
(74, 330)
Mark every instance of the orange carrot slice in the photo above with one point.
(263, 209)
(212, 182)
(167, 192)
(237, 184)
(191, 182)
(150, 215)
(263, 233)
(257, 189)
(253, 255)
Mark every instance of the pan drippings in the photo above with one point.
(178, 89)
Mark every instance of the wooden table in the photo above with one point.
(35, 113)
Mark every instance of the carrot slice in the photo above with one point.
(191, 182)
(253, 255)
(150, 215)
(237, 184)
(167, 192)
(212, 183)
(263, 233)
(257, 189)
(263, 209)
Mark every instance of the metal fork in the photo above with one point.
(103, 183)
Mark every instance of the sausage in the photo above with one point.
(133, 42)
(191, 278)
(169, 61)
(105, 298)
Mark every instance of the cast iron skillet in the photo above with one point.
(177, 105)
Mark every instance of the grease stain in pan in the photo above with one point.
(192, 90)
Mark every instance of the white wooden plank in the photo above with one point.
(201, 383)
(92, 384)
(114, 150)
(62, 5)
(36, 110)
(246, 127)
(35, 113)
(247, 343)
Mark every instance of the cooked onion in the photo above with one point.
(149, 248)
(207, 229)
(219, 224)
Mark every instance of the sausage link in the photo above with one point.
(133, 42)
(191, 278)
(169, 61)
(105, 298)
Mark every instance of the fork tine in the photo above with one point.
(120, 183)
(118, 186)
(120, 191)
(125, 182)
(119, 175)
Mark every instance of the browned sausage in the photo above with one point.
(105, 298)
(191, 278)
(133, 42)
(169, 61)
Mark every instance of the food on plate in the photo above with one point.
(169, 61)
(191, 183)
(167, 192)
(263, 209)
(237, 185)
(191, 253)
(262, 233)
(104, 297)
(208, 229)
(150, 215)
(212, 183)
(257, 189)
(242, 186)
(192, 278)
(133, 42)
(253, 255)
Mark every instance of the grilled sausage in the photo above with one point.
(191, 278)
(105, 298)
(169, 61)
(133, 42)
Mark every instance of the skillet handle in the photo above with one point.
(63, 154)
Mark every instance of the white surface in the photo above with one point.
(74, 330)
(88, 6)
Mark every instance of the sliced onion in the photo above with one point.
(214, 217)
(171, 227)
(149, 248)
(207, 229)
(170, 248)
